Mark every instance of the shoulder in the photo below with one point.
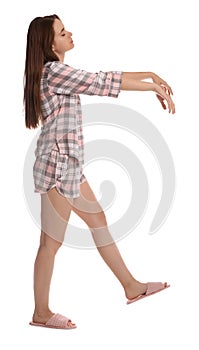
(56, 65)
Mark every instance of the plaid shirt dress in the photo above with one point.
(60, 146)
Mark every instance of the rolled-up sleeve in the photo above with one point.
(63, 79)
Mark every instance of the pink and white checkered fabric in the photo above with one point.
(60, 146)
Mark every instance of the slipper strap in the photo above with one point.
(154, 287)
(58, 320)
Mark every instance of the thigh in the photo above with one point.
(88, 208)
(55, 214)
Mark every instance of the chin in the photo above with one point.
(69, 48)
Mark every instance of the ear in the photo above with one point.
(53, 47)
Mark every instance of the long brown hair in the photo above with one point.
(40, 38)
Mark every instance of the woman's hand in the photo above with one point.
(131, 82)
(159, 81)
(164, 94)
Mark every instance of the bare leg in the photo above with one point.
(55, 215)
(90, 211)
(43, 270)
(50, 242)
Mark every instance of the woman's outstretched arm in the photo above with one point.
(134, 82)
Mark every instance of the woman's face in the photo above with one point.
(62, 40)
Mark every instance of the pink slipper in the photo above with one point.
(152, 288)
(56, 321)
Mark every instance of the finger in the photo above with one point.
(167, 88)
(170, 103)
(160, 98)
(172, 106)
(161, 101)
(169, 108)
(170, 92)
(163, 105)
(168, 100)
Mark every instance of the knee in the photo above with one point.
(50, 244)
(97, 220)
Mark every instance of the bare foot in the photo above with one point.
(44, 317)
(134, 289)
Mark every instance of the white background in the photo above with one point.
(109, 35)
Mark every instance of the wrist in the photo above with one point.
(152, 75)
(154, 87)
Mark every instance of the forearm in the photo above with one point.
(139, 75)
(131, 82)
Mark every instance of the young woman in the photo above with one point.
(51, 97)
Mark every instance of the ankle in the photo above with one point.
(134, 289)
(42, 312)
(42, 316)
(129, 283)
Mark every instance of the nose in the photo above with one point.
(69, 33)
